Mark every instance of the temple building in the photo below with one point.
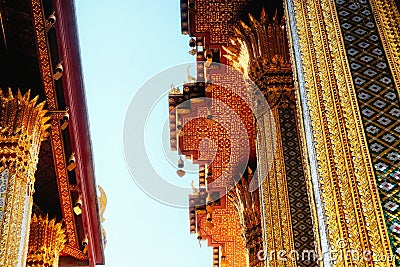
(50, 211)
(293, 117)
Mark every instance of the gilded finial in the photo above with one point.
(102, 202)
(174, 90)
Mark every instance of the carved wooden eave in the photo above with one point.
(74, 97)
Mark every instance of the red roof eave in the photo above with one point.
(68, 48)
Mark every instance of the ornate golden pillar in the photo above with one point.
(346, 58)
(46, 240)
(260, 50)
(22, 127)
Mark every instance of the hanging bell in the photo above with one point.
(179, 126)
(210, 209)
(209, 217)
(180, 173)
(192, 52)
(209, 54)
(181, 164)
(224, 261)
(209, 199)
(192, 42)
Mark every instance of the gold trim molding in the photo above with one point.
(278, 232)
(350, 202)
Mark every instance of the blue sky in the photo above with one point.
(123, 44)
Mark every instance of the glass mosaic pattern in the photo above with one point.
(379, 105)
(299, 206)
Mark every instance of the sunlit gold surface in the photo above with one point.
(102, 205)
(351, 206)
(260, 49)
(46, 240)
(23, 125)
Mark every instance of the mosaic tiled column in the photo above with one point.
(346, 69)
(379, 105)
(300, 210)
(22, 127)
(289, 235)
(46, 241)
